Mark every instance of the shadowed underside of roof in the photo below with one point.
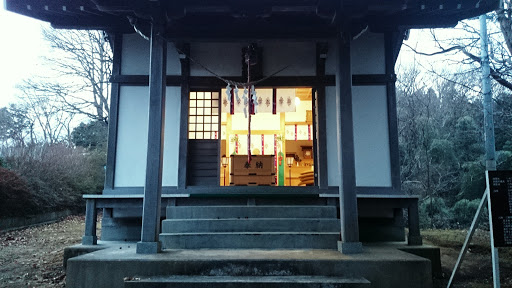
(255, 18)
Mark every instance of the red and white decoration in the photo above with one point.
(265, 100)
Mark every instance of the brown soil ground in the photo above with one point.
(476, 268)
(32, 257)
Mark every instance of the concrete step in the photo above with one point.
(250, 225)
(250, 240)
(247, 282)
(241, 212)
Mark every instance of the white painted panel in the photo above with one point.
(300, 57)
(173, 60)
(132, 137)
(367, 55)
(371, 136)
(223, 59)
(259, 121)
(171, 136)
(135, 56)
(330, 61)
(332, 141)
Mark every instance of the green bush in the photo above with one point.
(472, 181)
(91, 135)
(463, 212)
(434, 214)
(504, 160)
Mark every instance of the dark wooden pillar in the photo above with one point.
(390, 39)
(348, 200)
(116, 40)
(414, 237)
(321, 123)
(153, 188)
(91, 214)
(185, 91)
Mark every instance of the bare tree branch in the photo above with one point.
(83, 61)
(497, 76)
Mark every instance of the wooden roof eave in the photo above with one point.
(435, 16)
(112, 15)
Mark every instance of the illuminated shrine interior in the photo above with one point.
(284, 139)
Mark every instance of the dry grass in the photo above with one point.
(476, 268)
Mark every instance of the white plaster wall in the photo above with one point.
(224, 59)
(133, 132)
(332, 141)
(371, 137)
(171, 136)
(367, 55)
(135, 56)
(173, 60)
(300, 57)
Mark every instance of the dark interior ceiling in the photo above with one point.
(251, 19)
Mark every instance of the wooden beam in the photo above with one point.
(346, 158)
(209, 82)
(392, 112)
(150, 243)
(320, 126)
(116, 41)
(185, 91)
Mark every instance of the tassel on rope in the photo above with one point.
(245, 101)
(232, 106)
(228, 94)
(254, 101)
(249, 156)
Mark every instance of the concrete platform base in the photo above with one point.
(426, 251)
(247, 282)
(77, 250)
(382, 266)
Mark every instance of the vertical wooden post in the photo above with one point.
(346, 159)
(321, 124)
(153, 188)
(91, 214)
(185, 91)
(390, 39)
(117, 40)
(414, 237)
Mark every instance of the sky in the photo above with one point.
(21, 50)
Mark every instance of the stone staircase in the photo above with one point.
(247, 227)
(247, 282)
(274, 227)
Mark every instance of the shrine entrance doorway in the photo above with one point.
(279, 141)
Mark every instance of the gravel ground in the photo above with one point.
(32, 257)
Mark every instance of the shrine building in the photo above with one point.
(253, 139)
